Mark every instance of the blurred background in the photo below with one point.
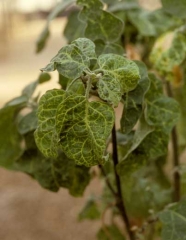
(28, 212)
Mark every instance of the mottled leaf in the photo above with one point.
(83, 128)
(86, 46)
(175, 7)
(109, 89)
(133, 101)
(70, 62)
(174, 222)
(102, 48)
(162, 113)
(45, 135)
(89, 211)
(125, 71)
(168, 52)
(106, 26)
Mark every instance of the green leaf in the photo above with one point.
(133, 101)
(74, 28)
(60, 7)
(102, 48)
(30, 88)
(110, 232)
(10, 139)
(17, 101)
(45, 135)
(89, 211)
(174, 222)
(86, 46)
(109, 89)
(140, 19)
(70, 62)
(123, 6)
(122, 70)
(162, 113)
(142, 131)
(27, 123)
(83, 128)
(54, 173)
(175, 7)
(106, 26)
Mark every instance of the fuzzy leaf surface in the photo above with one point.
(70, 62)
(45, 135)
(124, 72)
(86, 46)
(174, 222)
(83, 127)
(133, 101)
(106, 26)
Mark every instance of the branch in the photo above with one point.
(174, 139)
(120, 200)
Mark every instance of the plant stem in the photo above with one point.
(120, 200)
(174, 137)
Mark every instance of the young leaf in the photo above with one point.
(70, 62)
(89, 211)
(109, 89)
(121, 70)
(106, 26)
(86, 46)
(133, 101)
(45, 135)
(175, 7)
(83, 128)
(174, 222)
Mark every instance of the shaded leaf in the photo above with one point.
(17, 100)
(74, 28)
(27, 123)
(89, 211)
(61, 6)
(175, 7)
(110, 232)
(54, 173)
(83, 128)
(106, 26)
(102, 48)
(133, 101)
(122, 70)
(174, 222)
(10, 139)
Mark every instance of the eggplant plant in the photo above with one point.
(118, 56)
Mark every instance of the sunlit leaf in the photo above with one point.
(83, 128)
